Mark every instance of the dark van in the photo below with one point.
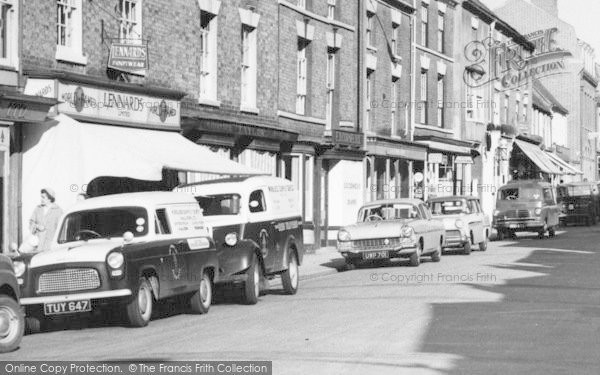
(579, 201)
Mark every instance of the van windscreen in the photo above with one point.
(223, 204)
(520, 194)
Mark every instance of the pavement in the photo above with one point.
(323, 261)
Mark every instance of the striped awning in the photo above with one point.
(563, 165)
(539, 158)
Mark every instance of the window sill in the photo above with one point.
(209, 102)
(249, 109)
(71, 56)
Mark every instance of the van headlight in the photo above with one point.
(459, 224)
(231, 239)
(115, 260)
(537, 211)
(343, 235)
(19, 268)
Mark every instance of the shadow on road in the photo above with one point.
(543, 324)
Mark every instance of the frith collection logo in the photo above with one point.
(492, 60)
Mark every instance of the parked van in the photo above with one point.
(256, 224)
(526, 206)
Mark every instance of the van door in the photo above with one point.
(261, 228)
(170, 268)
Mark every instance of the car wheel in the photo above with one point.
(415, 258)
(437, 255)
(467, 248)
(483, 245)
(252, 284)
(290, 277)
(12, 324)
(501, 235)
(139, 310)
(202, 298)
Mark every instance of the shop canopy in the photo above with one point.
(65, 155)
(539, 158)
(566, 168)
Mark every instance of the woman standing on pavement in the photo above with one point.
(44, 222)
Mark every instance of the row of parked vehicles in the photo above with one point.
(127, 251)
(408, 228)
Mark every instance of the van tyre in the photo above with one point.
(290, 277)
(252, 285)
(139, 310)
(483, 245)
(12, 324)
(202, 299)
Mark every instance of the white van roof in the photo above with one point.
(143, 199)
(226, 185)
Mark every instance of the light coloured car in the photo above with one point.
(398, 228)
(465, 223)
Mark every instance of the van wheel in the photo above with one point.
(290, 277)
(12, 324)
(483, 245)
(467, 248)
(139, 310)
(202, 298)
(252, 284)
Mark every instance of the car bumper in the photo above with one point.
(397, 252)
(519, 225)
(76, 297)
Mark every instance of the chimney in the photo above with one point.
(550, 6)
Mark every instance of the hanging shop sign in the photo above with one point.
(128, 57)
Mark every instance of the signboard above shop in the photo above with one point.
(105, 105)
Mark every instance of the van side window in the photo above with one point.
(548, 196)
(162, 224)
(258, 197)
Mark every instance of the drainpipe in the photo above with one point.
(411, 107)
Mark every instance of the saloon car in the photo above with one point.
(12, 322)
(125, 251)
(464, 221)
(526, 206)
(385, 229)
(256, 223)
(580, 202)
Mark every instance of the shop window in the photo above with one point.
(248, 67)
(69, 41)
(308, 187)
(9, 33)
(208, 56)
(302, 74)
(256, 201)
(446, 169)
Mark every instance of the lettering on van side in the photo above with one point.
(287, 225)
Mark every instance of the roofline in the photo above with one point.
(489, 16)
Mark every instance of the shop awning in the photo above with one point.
(446, 147)
(566, 168)
(539, 158)
(65, 155)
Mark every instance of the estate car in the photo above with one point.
(124, 250)
(256, 223)
(526, 206)
(465, 223)
(399, 228)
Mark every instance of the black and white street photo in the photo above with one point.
(299, 187)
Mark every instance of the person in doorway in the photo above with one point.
(44, 221)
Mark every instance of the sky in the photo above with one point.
(584, 15)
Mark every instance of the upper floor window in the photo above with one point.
(301, 4)
(302, 77)
(440, 36)
(69, 41)
(394, 105)
(424, 25)
(395, 31)
(9, 32)
(330, 87)
(369, 90)
(423, 97)
(249, 68)
(370, 37)
(331, 9)
(208, 56)
(440, 105)
(130, 21)
(525, 107)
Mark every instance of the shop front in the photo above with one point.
(391, 166)
(448, 169)
(340, 183)
(107, 137)
(16, 109)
